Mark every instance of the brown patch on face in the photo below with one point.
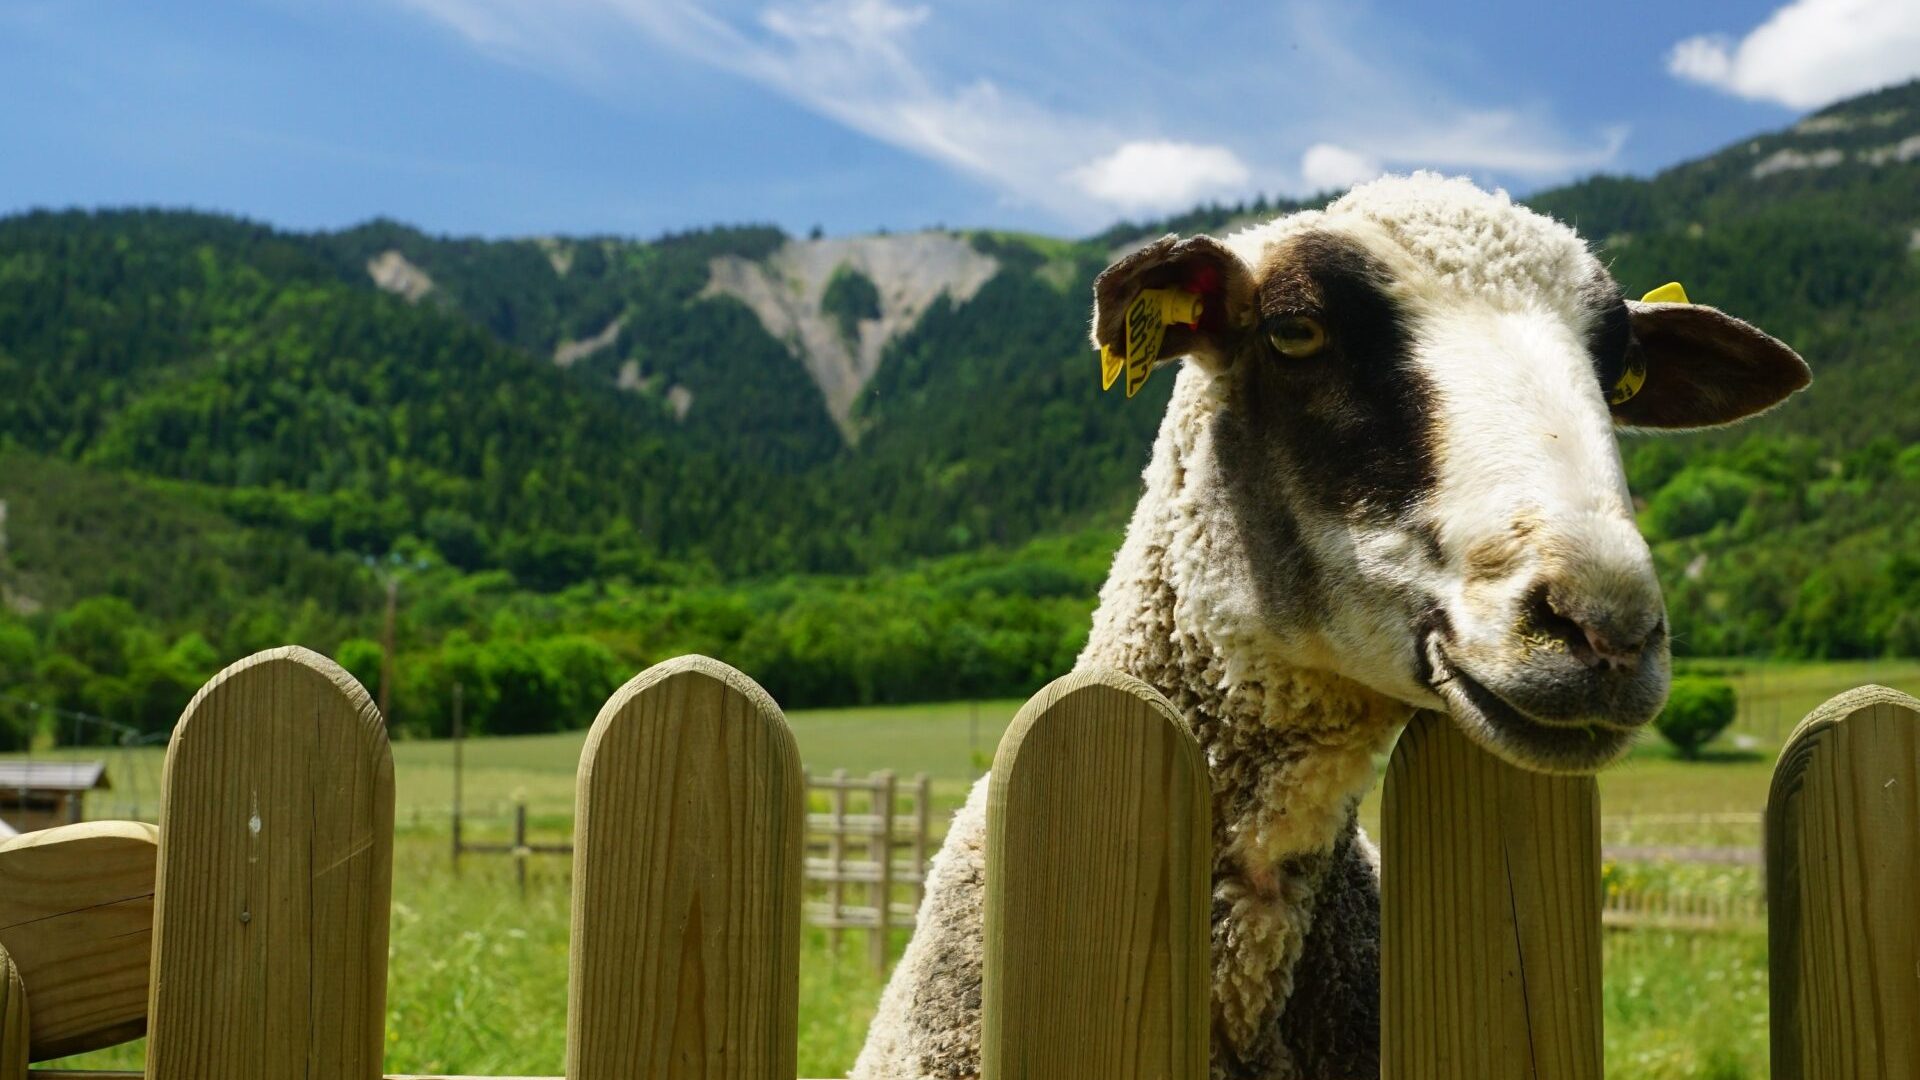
(1287, 282)
(1496, 557)
(1309, 445)
(1353, 422)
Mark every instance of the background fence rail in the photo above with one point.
(869, 819)
(882, 829)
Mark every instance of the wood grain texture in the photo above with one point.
(1490, 920)
(1098, 864)
(76, 913)
(1843, 891)
(275, 873)
(688, 833)
(15, 1020)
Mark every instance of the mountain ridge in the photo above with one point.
(585, 430)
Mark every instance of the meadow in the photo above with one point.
(478, 975)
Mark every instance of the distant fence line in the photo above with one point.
(878, 829)
(870, 846)
(269, 880)
(1665, 909)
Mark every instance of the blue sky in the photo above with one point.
(633, 117)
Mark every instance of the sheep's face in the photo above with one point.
(1407, 428)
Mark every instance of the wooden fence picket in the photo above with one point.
(76, 915)
(1843, 891)
(274, 878)
(1490, 915)
(13, 1021)
(270, 894)
(689, 827)
(1098, 866)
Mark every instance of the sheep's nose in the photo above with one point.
(1601, 635)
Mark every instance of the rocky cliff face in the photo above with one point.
(786, 290)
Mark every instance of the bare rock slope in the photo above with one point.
(910, 271)
(391, 271)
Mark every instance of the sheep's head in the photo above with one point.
(1407, 406)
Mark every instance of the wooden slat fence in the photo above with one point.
(271, 893)
(866, 815)
(1665, 909)
(875, 836)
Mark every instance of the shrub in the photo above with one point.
(1697, 710)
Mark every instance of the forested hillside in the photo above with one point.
(582, 454)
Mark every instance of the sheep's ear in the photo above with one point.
(1704, 368)
(1200, 266)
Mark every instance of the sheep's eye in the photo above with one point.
(1297, 336)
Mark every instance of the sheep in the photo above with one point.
(1387, 480)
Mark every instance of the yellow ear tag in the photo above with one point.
(1148, 316)
(1635, 377)
(1631, 380)
(1110, 366)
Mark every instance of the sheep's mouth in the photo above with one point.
(1516, 737)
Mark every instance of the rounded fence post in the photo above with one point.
(1098, 869)
(1843, 891)
(690, 820)
(275, 872)
(1490, 915)
(76, 915)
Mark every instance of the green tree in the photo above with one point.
(1696, 500)
(850, 297)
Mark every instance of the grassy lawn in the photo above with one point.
(478, 980)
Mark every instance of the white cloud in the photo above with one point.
(1156, 174)
(1081, 148)
(1499, 140)
(1809, 52)
(1326, 167)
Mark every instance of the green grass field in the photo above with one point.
(478, 979)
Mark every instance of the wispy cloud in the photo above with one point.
(1481, 143)
(1156, 173)
(1110, 143)
(1809, 52)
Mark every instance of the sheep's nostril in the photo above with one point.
(1595, 639)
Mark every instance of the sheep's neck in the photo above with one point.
(1289, 749)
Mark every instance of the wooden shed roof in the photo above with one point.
(52, 775)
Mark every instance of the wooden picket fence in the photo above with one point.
(256, 945)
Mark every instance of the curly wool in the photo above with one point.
(1289, 748)
(1289, 751)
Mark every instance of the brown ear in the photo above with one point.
(1200, 265)
(1705, 368)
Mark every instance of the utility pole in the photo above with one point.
(386, 653)
(459, 741)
